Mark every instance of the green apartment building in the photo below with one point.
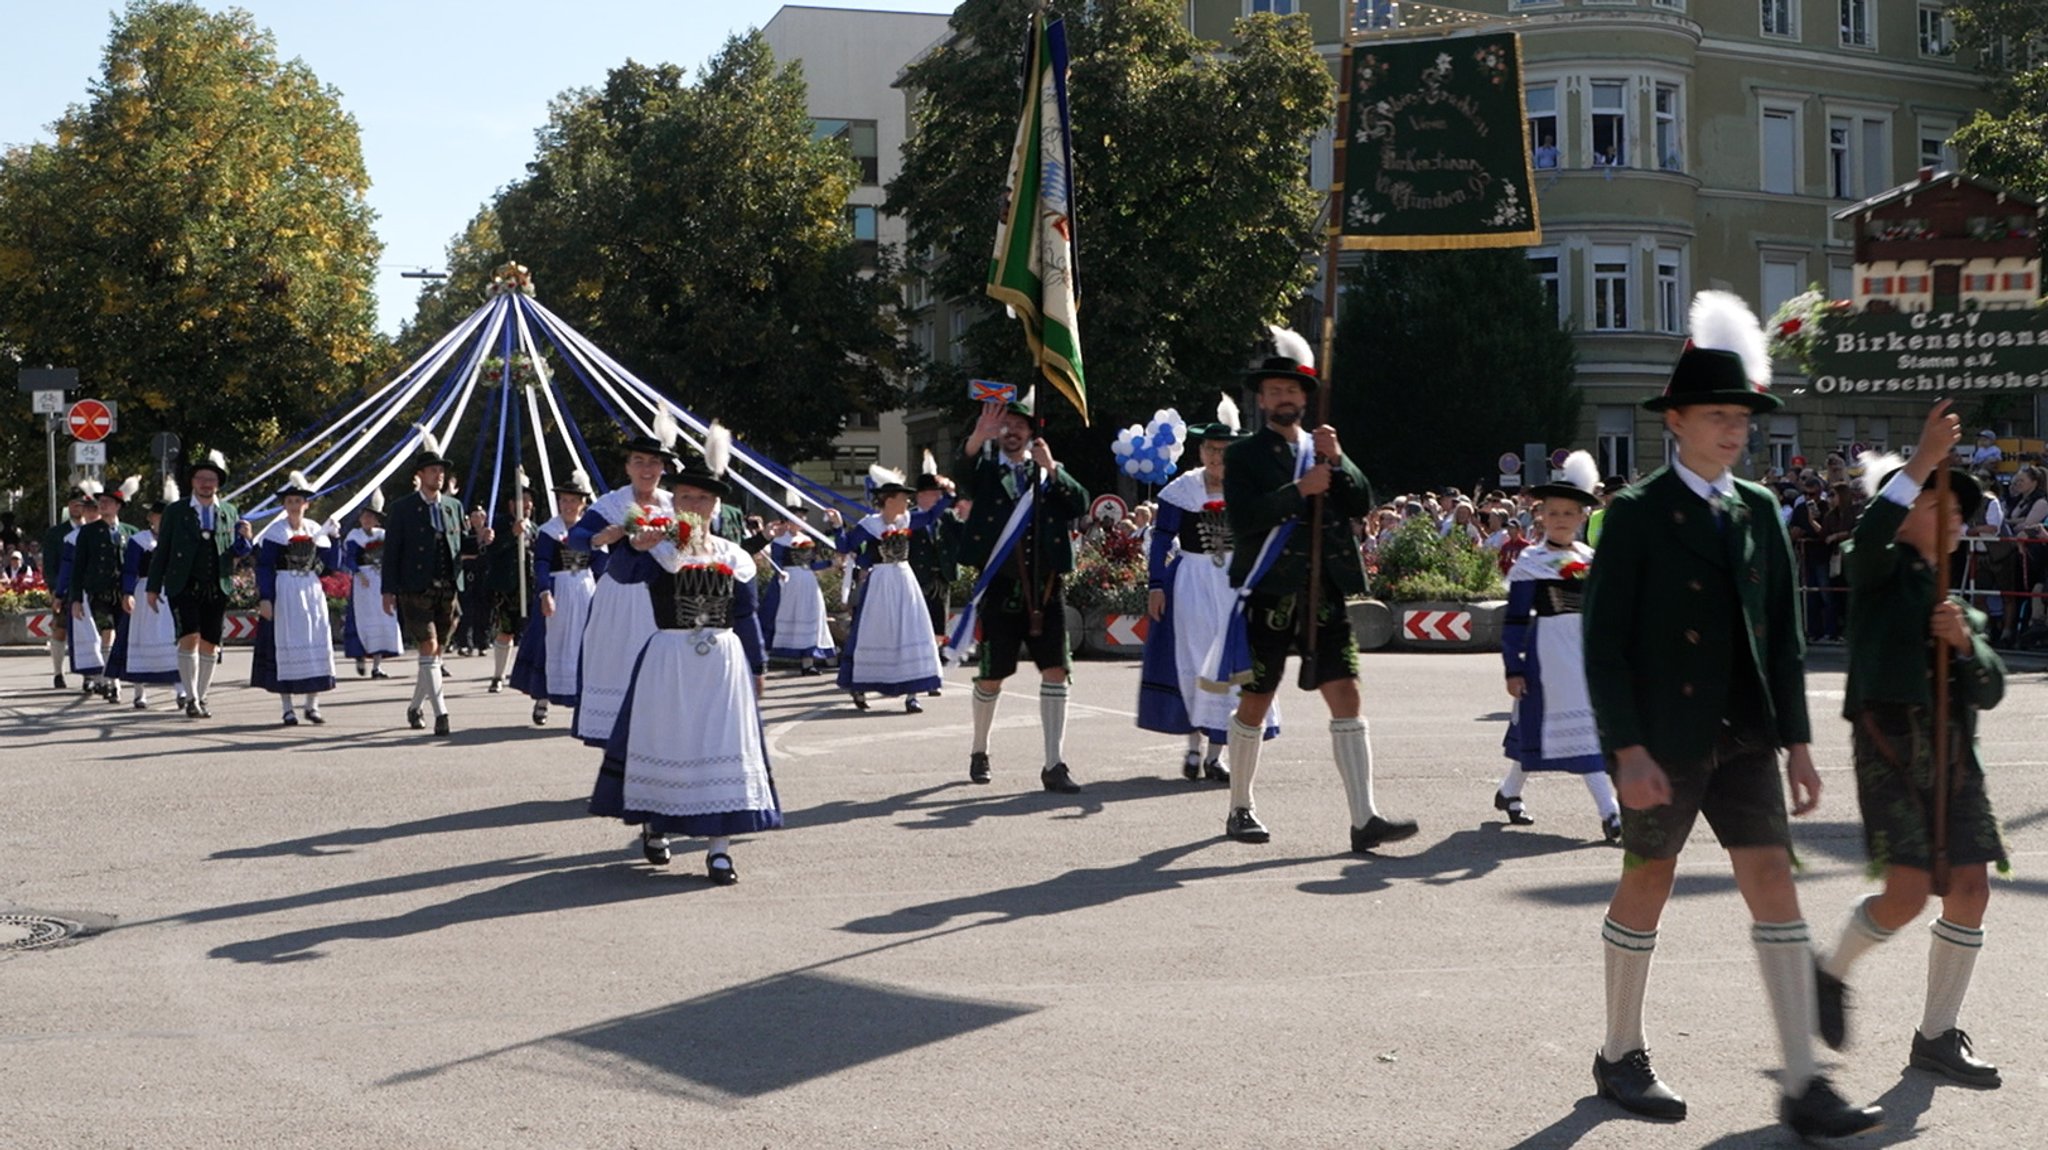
(1682, 145)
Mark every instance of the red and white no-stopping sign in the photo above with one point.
(89, 421)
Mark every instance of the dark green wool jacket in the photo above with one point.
(1259, 494)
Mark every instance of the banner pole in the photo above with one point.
(1944, 505)
(1334, 229)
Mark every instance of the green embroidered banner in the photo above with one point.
(1435, 151)
(1934, 352)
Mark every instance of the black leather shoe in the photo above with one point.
(1834, 1008)
(1611, 827)
(362, 669)
(290, 720)
(191, 708)
(494, 687)
(1513, 806)
(314, 717)
(441, 724)
(415, 719)
(1215, 771)
(1823, 1113)
(720, 870)
(379, 675)
(1058, 781)
(540, 714)
(860, 701)
(1631, 1084)
(1191, 766)
(57, 681)
(1951, 1056)
(1378, 830)
(204, 712)
(1244, 826)
(809, 671)
(931, 694)
(654, 847)
(911, 706)
(977, 767)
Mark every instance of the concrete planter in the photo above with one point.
(15, 628)
(1433, 626)
(1372, 621)
(1113, 634)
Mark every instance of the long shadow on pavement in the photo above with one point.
(965, 803)
(1460, 856)
(528, 813)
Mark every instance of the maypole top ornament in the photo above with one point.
(510, 278)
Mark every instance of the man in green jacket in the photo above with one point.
(96, 558)
(194, 566)
(423, 575)
(1694, 664)
(1896, 615)
(1269, 482)
(78, 510)
(1025, 606)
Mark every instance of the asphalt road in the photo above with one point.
(358, 935)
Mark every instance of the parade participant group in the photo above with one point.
(1658, 655)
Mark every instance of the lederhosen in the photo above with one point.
(201, 606)
(432, 613)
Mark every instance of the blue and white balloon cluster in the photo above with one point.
(1149, 453)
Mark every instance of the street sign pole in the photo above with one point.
(50, 424)
(43, 379)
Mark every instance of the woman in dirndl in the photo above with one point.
(687, 756)
(294, 640)
(1189, 603)
(889, 648)
(145, 638)
(550, 652)
(620, 618)
(802, 630)
(88, 649)
(368, 634)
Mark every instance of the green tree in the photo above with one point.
(699, 234)
(195, 240)
(1193, 208)
(2008, 141)
(1424, 396)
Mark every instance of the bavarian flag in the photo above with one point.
(1033, 269)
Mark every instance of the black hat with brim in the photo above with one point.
(1968, 491)
(1282, 367)
(1217, 432)
(205, 464)
(1703, 376)
(571, 487)
(886, 489)
(426, 459)
(295, 489)
(698, 476)
(928, 482)
(1564, 491)
(648, 445)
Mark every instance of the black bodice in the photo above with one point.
(692, 599)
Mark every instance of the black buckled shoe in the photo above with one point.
(415, 718)
(1630, 1083)
(540, 714)
(362, 669)
(1950, 1055)
(204, 711)
(191, 708)
(290, 719)
(1377, 831)
(1058, 780)
(1243, 826)
(911, 706)
(57, 681)
(1517, 816)
(654, 847)
(495, 687)
(1191, 766)
(1833, 996)
(379, 673)
(314, 717)
(860, 700)
(719, 869)
(1215, 771)
(1821, 1112)
(441, 724)
(977, 767)
(1611, 828)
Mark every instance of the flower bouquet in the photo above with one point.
(1795, 328)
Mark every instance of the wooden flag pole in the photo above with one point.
(1333, 233)
(1944, 507)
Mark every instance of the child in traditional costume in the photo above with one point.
(550, 655)
(889, 648)
(294, 638)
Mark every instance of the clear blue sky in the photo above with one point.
(447, 94)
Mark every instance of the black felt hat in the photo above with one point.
(1727, 360)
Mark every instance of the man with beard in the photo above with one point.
(1268, 481)
(1024, 603)
(197, 545)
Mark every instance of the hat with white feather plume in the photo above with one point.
(886, 481)
(429, 453)
(212, 461)
(376, 504)
(1292, 359)
(297, 484)
(1874, 472)
(1228, 425)
(167, 496)
(709, 473)
(578, 483)
(660, 439)
(928, 473)
(1578, 480)
(1727, 360)
(125, 491)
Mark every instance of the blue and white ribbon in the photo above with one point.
(1229, 659)
(1006, 542)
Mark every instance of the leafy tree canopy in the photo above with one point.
(1424, 396)
(2007, 142)
(195, 242)
(1195, 216)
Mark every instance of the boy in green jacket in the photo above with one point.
(1897, 615)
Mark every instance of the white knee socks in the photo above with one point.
(1052, 716)
(1602, 789)
(434, 690)
(57, 656)
(204, 676)
(1512, 782)
(501, 651)
(1859, 935)
(1244, 762)
(1628, 955)
(1351, 739)
(188, 673)
(424, 685)
(984, 711)
(1951, 958)
(1785, 952)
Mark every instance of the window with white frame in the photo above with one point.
(1276, 7)
(1841, 277)
(1845, 434)
(1784, 276)
(1670, 136)
(1616, 448)
(1541, 102)
(1937, 34)
(1609, 102)
(1610, 300)
(1784, 433)
(1548, 270)
(1935, 151)
(1678, 4)
(1778, 16)
(1780, 142)
(1859, 155)
(1670, 291)
(1880, 435)
(1859, 29)
(957, 344)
